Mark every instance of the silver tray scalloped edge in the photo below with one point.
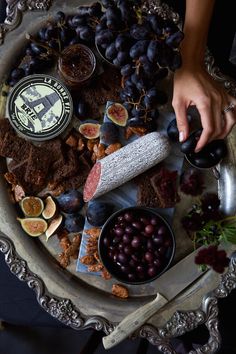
(63, 307)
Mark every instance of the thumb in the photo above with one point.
(182, 120)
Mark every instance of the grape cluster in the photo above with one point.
(50, 40)
(213, 257)
(144, 46)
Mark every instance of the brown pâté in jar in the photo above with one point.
(76, 65)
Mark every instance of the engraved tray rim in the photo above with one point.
(63, 308)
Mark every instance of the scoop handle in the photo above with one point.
(133, 321)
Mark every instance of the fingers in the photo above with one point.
(182, 120)
(229, 119)
(208, 125)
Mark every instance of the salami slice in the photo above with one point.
(126, 163)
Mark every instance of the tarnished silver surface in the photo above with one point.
(14, 12)
(71, 298)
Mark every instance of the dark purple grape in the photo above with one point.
(125, 269)
(157, 262)
(140, 31)
(139, 48)
(17, 74)
(127, 238)
(104, 36)
(149, 256)
(119, 231)
(133, 263)
(81, 109)
(154, 221)
(121, 218)
(162, 231)
(128, 216)
(37, 49)
(156, 23)
(140, 268)
(136, 242)
(78, 20)
(122, 43)
(111, 52)
(149, 229)
(144, 220)
(137, 225)
(158, 239)
(174, 39)
(107, 3)
(122, 258)
(149, 244)
(123, 58)
(129, 230)
(128, 250)
(83, 10)
(153, 51)
(116, 240)
(131, 277)
(127, 70)
(95, 9)
(60, 17)
(152, 271)
(189, 145)
(86, 34)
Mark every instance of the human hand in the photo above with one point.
(194, 86)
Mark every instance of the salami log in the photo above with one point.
(126, 163)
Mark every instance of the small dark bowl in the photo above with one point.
(101, 53)
(136, 245)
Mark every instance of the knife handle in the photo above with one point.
(133, 321)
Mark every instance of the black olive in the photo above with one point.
(173, 131)
(189, 145)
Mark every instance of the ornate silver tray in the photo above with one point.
(68, 295)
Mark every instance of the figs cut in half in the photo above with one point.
(32, 206)
(50, 208)
(33, 226)
(54, 226)
(118, 114)
(90, 130)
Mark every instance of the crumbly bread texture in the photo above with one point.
(158, 188)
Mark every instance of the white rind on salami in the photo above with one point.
(126, 163)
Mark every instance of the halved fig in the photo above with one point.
(32, 206)
(50, 208)
(118, 114)
(33, 226)
(90, 130)
(54, 226)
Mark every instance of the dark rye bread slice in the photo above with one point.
(14, 147)
(37, 166)
(68, 168)
(5, 127)
(157, 188)
(19, 170)
(146, 195)
(56, 149)
(164, 184)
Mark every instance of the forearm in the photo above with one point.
(197, 20)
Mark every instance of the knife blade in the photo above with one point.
(169, 285)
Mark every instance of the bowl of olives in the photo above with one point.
(136, 245)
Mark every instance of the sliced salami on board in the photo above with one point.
(126, 163)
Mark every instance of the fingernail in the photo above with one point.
(181, 137)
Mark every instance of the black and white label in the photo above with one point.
(40, 107)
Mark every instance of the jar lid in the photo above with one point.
(39, 107)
